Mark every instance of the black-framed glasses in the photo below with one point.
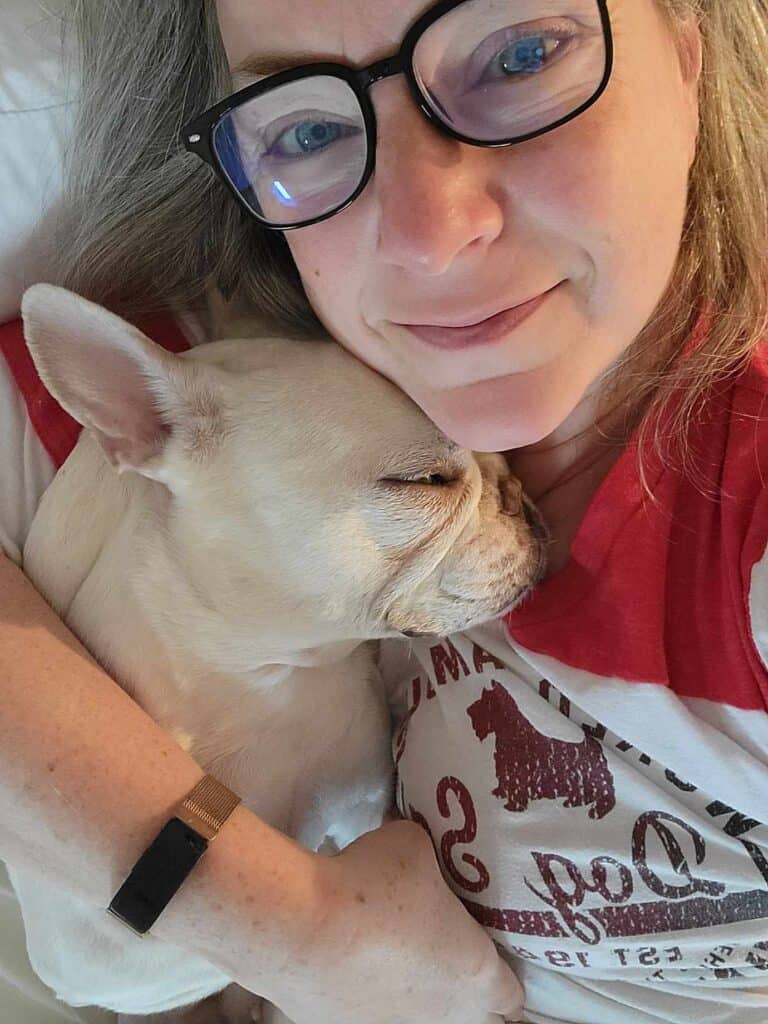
(299, 146)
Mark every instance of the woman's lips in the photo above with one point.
(485, 333)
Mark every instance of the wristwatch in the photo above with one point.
(159, 872)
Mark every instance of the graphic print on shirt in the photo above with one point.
(575, 848)
(532, 766)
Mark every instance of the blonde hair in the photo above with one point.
(146, 225)
(721, 273)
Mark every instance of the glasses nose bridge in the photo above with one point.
(379, 70)
(397, 64)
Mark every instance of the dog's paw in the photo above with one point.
(239, 1006)
(272, 1015)
(206, 1011)
(233, 1005)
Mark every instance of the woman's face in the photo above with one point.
(446, 233)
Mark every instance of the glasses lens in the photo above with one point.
(297, 152)
(496, 70)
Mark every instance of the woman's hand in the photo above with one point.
(395, 945)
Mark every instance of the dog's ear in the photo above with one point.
(128, 391)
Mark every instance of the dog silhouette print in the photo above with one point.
(532, 766)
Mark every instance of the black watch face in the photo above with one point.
(157, 875)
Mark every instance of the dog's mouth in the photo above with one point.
(540, 537)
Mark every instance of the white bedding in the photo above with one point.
(35, 124)
(36, 112)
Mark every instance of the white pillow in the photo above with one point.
(36, 117)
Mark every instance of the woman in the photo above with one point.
(626, 201)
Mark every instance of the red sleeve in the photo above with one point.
(662, 591)
(56, 429)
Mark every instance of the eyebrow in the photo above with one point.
(259, 65)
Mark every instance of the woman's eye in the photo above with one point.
(524, 56)
(310, 136)
(520, 52)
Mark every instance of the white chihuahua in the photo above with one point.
(284, 505)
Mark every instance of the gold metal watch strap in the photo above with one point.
(207, 806)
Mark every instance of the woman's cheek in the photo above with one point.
(328, 277)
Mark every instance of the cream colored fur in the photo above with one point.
(232, 529)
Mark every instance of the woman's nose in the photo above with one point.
(435, 196)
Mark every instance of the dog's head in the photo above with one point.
(308, 497)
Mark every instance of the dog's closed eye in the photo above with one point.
(428, 480)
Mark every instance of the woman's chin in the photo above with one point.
(502, 414)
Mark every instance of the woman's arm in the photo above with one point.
(88, 779)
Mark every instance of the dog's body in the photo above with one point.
(230, 581)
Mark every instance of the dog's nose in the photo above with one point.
(511, 491)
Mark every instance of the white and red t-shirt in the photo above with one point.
(593, 770)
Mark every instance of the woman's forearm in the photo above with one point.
(87, 779)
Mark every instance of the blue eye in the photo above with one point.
(309, 137)
(523, 55)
